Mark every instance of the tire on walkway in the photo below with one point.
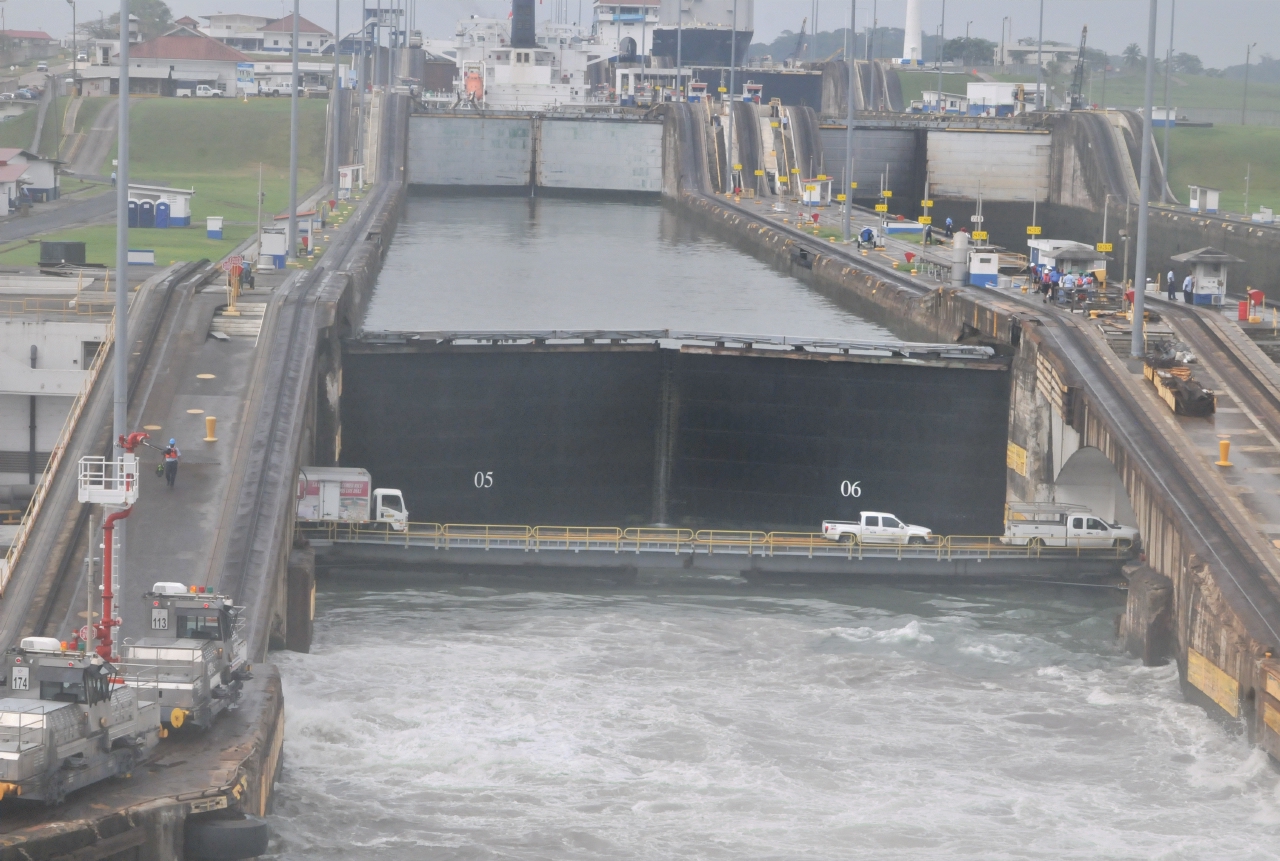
(225, 839)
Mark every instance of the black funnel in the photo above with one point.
(522, 33)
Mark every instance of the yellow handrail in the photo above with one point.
(685, 540)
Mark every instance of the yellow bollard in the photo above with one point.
(210, 425)
(1224, 449)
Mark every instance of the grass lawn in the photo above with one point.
(51, 132)
(70, 184)
(18, 131)
(1124, 89)
(915, 83)
(169, 245)
(1217, 157)
(213, 146)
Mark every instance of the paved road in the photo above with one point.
(59, 215)
(89, 161)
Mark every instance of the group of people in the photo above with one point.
(1062, 285)
(1188, 289)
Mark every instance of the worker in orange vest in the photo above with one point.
(171, 455)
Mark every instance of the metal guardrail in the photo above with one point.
(11, 557)
(608, 336)
(449, 536)
(64, 309)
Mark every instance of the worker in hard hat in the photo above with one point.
(171, 455)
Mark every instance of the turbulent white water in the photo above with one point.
(867, 722)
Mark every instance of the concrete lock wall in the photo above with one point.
(1005, 166)
(587, 154)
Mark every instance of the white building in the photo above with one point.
(625, 29)
(269, 76)
(39, 176)
(277, 36)
(41, 395)
(240, 31)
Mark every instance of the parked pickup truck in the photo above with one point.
(876, 527)
(1063, 525)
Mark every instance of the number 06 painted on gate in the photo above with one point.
(850, 488)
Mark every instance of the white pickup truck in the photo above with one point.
(876, 527)
(1063, 525)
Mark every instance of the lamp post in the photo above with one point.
(1040, 62)
(334, 101)
(942, 38)
(1004, 22)
(733, 62)
(293, 144)
(1138, 342)
(848, 137)
(120, 352)
(1168, 65)
(1244, 105)
(72, 4)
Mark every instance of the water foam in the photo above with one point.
(868, 723)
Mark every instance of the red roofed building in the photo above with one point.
(21, 170)
(28, 37)
(173, 64)
(278, 36)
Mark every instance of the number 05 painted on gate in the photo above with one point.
(850, 488)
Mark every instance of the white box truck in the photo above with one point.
(346, 494)
(1053, 524)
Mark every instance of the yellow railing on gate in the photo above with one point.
(638, 538)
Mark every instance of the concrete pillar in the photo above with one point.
(301, 585)
(960, 260)
(1148, 617)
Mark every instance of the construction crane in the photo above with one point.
(1077, 82)
(799, 49)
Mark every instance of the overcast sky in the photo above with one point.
(1216, 30)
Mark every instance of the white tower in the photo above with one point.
(913, 45)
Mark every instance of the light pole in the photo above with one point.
(334, 101)
(1003, 23)
(1244, 105)
(120, 416)
(1168, 65)
(1137, 346)
(72, 4)
(293, 144)
(679, 49)
(733, 62)
(942, 38)
(1040, 63)
(848, 137)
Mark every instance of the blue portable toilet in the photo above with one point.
(162, 214)
(133, 213)
(213, 227)
(147, 214)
